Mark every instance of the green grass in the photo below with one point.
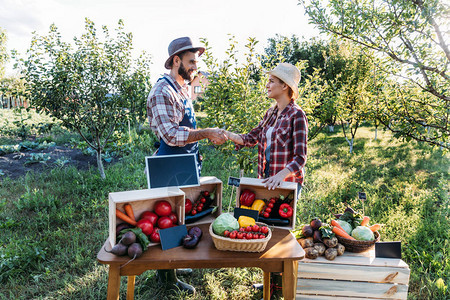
(54, 223)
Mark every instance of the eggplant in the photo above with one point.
(196, 231)
(190, 241)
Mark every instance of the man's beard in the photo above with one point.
(184, 73)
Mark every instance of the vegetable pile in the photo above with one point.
(318, 239)
(275, 211)
(149, 222)
(352, 225)
(245, 228)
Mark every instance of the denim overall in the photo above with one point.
(188, 121)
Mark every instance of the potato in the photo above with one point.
(330, 253)
(330, 243)
(311, 253)
(340, 249)
(320, 247)
(306, 243)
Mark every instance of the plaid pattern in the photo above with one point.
(288, 141)
(165, 110)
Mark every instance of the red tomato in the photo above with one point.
(146, 226)
(262, 236)
(203, 200)
(206, 193)
(199, 208)
(255, 228)
(165, 222)
(193, 212)
(242, 229)
(240, 235)
(174, 218)
(266, 215)
(249, 228)
(150, 216)
(226, 233)
(163, 208)
(255, 236)
(154, 237)
(188, 206)
(265, 229)
(232, 235)
(270, 205)
(249, 236)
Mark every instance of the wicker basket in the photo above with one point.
(256, 245)
(358, 246)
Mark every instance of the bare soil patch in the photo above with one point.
(15, 165)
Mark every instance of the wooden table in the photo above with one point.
(281, 255)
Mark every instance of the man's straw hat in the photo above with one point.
(180, 45)
(289, 74)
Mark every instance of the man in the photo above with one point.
(171, 116)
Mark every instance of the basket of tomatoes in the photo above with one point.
(246, 239)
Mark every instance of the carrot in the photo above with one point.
(125, 218)
(129, 211)
(365, 221)
(375, 227)
(334, 223)
(340, 232)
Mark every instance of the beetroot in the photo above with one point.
(315, 223)
(307, 231)
(119, 249)
(196, 231)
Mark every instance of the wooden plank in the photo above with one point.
(352, 288)
(361, 260)
(354, 273)
(319, 297)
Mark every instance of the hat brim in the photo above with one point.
(292, 85)
(199, 49)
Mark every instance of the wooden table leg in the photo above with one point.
(130, 287)
(290, 270)
(266, 286)
(113, 282)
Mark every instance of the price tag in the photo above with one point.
(362, 195)
(234, 181)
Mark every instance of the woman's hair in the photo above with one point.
(290, 91)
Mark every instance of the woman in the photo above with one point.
(282, 133)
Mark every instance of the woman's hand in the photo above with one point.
(274, 181)
(235, 138)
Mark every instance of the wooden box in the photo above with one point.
(142, 200)
(207, 183)
(353, 276)
(256, 186)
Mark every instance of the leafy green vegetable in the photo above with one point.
(140, 236)
(225, 222)
(298, 233)
(353, 219)
(326, 231)
(345, 225)
(363, 233)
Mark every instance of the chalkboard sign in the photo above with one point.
(172, 170)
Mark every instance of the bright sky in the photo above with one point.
(155, 23)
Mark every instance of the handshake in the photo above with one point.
(217, 136)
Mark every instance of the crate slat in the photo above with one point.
(352, 289)
(354, 273)
(319, 297)
(350, 258)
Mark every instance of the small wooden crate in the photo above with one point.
(207, 183)
(256, 186)
(353, 276)
(142, 200)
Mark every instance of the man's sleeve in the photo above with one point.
(164, 112)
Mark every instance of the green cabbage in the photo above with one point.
(363, 233)
(345, 225)
(225, 222)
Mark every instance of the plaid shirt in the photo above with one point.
(288, 141)
(165, 110)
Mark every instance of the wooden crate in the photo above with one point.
(207, 183)
(256, 186)
(142, 200)
(355, 275)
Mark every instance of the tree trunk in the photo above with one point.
(330, 128)
(376, 132)
(100, 164)
(350, 143)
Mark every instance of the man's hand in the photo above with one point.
(217, 136)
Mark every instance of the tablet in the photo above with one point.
(178, 170)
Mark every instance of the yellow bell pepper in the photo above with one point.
(245, 221)
(258, 205)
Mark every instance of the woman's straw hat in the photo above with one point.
(289, 74)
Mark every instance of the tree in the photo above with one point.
(3, 52)
(91, 88)
(408, 36)
(234, 98)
